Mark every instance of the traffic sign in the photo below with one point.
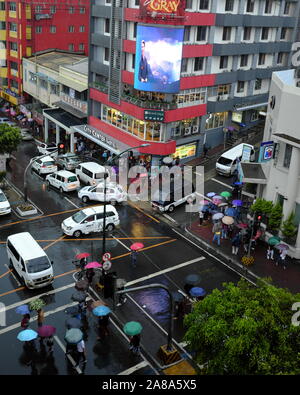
(106, 265)
(106, 256)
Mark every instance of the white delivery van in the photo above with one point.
(63, 180)
(227, 163)
(90, 172)
(90, 220)
(29, 260)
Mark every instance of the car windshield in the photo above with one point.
(78, 217)
(2, 197)
(224, 161)
(49, 163)
(72, 160)
(38, 265)
(72, 179)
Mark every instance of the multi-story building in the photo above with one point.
(30, 26)
(230, 49)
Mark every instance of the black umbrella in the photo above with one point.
(82, 285)
(177, 296)
(79, 296)
(192, 279)
(73, 323)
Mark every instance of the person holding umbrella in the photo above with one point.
(89, 275)
(133, 329)
(235, 243)
(135, 343)
(102, 312)
(134, 249)
(270, 252)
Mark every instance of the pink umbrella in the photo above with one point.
(93, 265)
(204, 202)
(136, 246)
(217, 201)
(82, 255)
(46, 330)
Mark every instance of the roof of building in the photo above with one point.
(287, 137)
(81, 67)
(54, 59)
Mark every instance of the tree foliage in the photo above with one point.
(275, 217)
(289, 229)
(245, 330)
(263, 206)
(10, 138)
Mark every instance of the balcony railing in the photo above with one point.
(78, 104)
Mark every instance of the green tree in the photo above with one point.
(262, 206)
(245, 329)
(289, 229)
(10, 138)
(275, 217)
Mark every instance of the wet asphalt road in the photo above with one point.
(168, 259)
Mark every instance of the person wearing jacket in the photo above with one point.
(235, 243)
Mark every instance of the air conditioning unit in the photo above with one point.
(195, 129)
(187, 131)
(297, 73)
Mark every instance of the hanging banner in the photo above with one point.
(154, 8)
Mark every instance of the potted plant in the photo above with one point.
(26, 209)
(289, 229)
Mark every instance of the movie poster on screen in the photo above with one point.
(158, 59)
(154, 8)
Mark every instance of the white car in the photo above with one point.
(63, 180)
(90, 220)
(44, 165)
(6, 120)
(114, 193)
(44, 148)
(4, 204)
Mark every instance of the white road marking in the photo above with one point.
(133, 368)
(71, 202)
(69, 356)
(169, 269)
(169, 218)
(222, 183)
(125, 246)
(34, 297)
(12, 273)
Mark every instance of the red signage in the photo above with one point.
(154, 8)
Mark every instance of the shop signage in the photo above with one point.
(237, 117)
(95, 133)
(154, 115)
(246, 153)
(184, 151)
(266, 151)
(155, 8)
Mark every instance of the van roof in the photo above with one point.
(99, 209)
(26, 246)
(236, 151)
(93, 166)
(65, 173)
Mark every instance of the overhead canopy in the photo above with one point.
(251, 106)
(74, 111)
(62, 117)
(253, 173)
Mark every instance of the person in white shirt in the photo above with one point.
(81, 353)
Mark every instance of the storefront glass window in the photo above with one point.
(185, 151)
(216, 120)
(287, 156)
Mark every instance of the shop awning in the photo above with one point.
(62, 118)
(74, 111)
(251, 106)
(253, 173)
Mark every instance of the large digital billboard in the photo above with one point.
(158, 59)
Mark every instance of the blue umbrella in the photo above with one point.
(197, 291)
(22, 309)
(73, 336)
(26, 335)
(217, 216)
(231, 212)
(210, 194)
(100, 311)
(238, 183)
(237, 202)
(192, 279)
(204, 208)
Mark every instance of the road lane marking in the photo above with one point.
(169, 218)
(68, 356)
(222, 183)
(54, 242)
(73, 204)
(134, 368)
(12, 273)
(4, 274)
(142, 211)
(65, 273)
(120, 242)
(107, 238)
(169, 269)
(12, 291)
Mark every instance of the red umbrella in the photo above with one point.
(46, 330)
(82, 255)
(136, 246)
(93, 265)
(242, 226)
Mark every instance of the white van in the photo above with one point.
(63, 180)
(29, 260)
(90, 220)
(90, 172)
(227, 163)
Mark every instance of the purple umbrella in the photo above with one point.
(218, 197)
(282, 246)
(210, 194)
(46, 330)
(237, 202)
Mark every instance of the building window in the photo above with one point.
(32, 78)
(137, 3)
(14, 66)
(216, 120)
(258, 84)
(287, 8)
(13, 46)
(14, 84)
(12, 6)
(184, 64)
(247, 33)
(283, 33)
(280, 59)
(133, 61)
(38, 29)
(134, 29)
(254, 116)
(250, 6)
(81, 47)
(268, 7)
(203, 4)
(43, 84)
(107, 26)
(189, 4)
(198, 65)
(71, 47)
(229, 5)
(54, 89)
(264, 33)
(13, 27)
(52, 29)
(244, 61)
(201, 33)
(38, 8)
(81, 29)
(71, 29)
(261, 59)
(71, 10)
(226, 33)
(187, 32)
(82, 10)
(106, 54)
(287, 156)
(53, 9)
(223, 62)
(240, 86)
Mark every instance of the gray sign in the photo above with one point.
(96, 134)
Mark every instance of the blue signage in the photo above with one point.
(266, 151)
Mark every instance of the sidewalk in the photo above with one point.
(284, 278)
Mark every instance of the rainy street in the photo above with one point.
(167, 258)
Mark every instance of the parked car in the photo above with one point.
(90, 220)
(68, 161)
(26, 135)
(63, 180)
(45, 148)
(4, 204)
(90, 172)
(44, 165)
(8, 121)
(114, 193)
